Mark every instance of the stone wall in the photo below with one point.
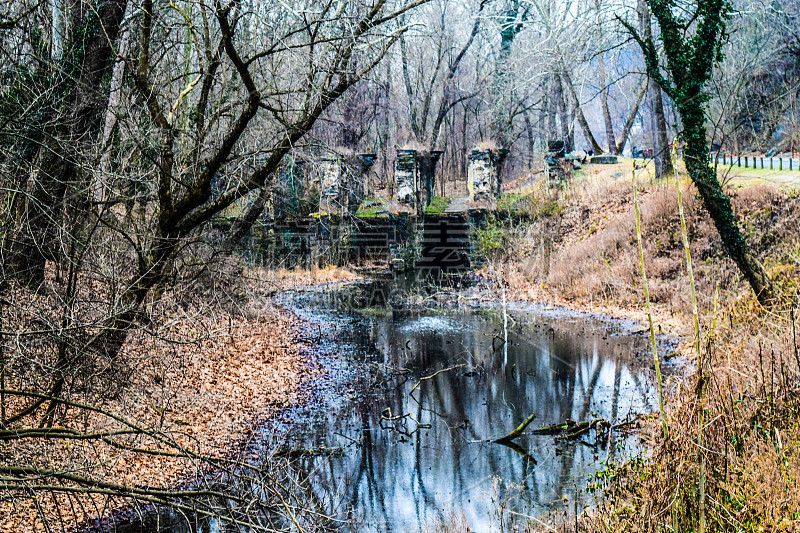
(415, 177)
(330, 185)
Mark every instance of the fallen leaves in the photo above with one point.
(206, 394)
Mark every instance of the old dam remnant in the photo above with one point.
(322, 213)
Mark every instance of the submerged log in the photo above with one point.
(517, 432)
(572, 430)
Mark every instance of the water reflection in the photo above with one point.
(415, 448)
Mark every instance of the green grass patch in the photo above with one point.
(495, 238)
(438, 205)
(509, 201)
(370, 208)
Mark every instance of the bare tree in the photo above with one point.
(108, 189)
(688, 63)
(661, 147)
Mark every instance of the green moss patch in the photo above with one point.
(371, 208)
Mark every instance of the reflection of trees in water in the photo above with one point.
(558, 376)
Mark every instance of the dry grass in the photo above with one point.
(751, 441)
(751, 404)
(283, 279)
(588, 250)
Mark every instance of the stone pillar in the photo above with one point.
(484, 175)
(330, 186)
(343, 183)
(405, 176)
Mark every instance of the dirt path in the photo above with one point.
(743, 178)
(458, 205)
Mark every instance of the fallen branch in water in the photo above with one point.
(572, 430)
(398, 423)
(529, 459)
(517, 432)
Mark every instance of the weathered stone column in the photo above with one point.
(405, 176)
(330, 186)
(343, 183)
(357, 173)
(483, 175)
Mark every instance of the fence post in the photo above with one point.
(770, 163)
(739, 161)
(745, 161)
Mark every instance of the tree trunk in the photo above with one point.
(690, 61)
(587, 132)
(84, 63)
(109, 340)
(412, 109)
(448, 100)
(562, 112)
(351, 131)
(661, 146)
(112, 112)
(611, 139)
(511, 25)
(246, 221)
(59, 14)
(661, 151)
(550, 110)
(529, 130)
(717, 202)
(626, 130)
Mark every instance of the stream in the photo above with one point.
(411, 398)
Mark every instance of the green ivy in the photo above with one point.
(692, 46)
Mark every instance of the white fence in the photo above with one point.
(759, 162)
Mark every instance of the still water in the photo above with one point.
(437, 385)
(397, 436)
